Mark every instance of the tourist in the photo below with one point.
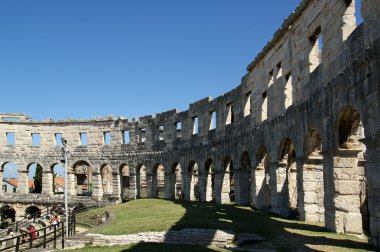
(33, 232)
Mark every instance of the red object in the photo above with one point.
(33, 232)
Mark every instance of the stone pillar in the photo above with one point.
(258, 190)
(218, 181)
(1, 180)
(47, 183)
(347, 185)
(133, 186)
(311, 189)
(202, 186)
(22, 186)
(279, 198)
(116, 185)
(71, 184)
(150, 185)
(242, 186)
(225, 193)
(209, 188)
(373, 178)
(169, 185)
(97, 190)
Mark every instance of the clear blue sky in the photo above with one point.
(89, 58)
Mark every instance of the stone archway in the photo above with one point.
(176, 181)
(286, 180)
(9, 174)
(125, 183)
(261, 193)
(192, 188)
(35, 177)
(209, 181)
(7, 214)
(350, 184)
(32, 212)
(83, 178)
(228, 183)
(141, 182)
(158, 181)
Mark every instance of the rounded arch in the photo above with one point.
(244, 194)
(176, 181)
(32, 212)
(261, 192)
(158, 181)
(125, 182)
(83, 177)
(228, 181)
(9, 178)
(141, 182)
(58, 174)
(7, 214)
(208, 194)
(35, 174)
(192, 191)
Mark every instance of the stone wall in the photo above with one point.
(299, 136)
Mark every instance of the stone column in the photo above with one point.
(208, 187)
(168, 185)
(218, 181)
(97, 190)
(373, 178)
(149, 182)
(47, 183)
(71, 184)
(1, 180)
(225, 194)
(202, 186)
(279, 198)
(22, 186)
(133, 186)
(242, 186)
(116, 185)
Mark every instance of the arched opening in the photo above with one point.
(228, 189)
(32, 212)
(125, 183)
(106, 174)
(350, 196)
(141, 183)
(7, 215)
(311, 206)
(83, 178)
(58, 178)
(209, 194)
(176, 181)
(287, 179)
(261, 195)
(34, 178)
(158, 181)
(9, 178)
(193, 192)
(245, 179)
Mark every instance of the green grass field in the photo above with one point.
(160, 215)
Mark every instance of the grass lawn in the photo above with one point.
(160, 215)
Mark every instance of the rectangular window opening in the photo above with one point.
(315, 57)
(212, 120)
(142, 135)
(58, 138)
(178, 129)
(107, 137)
(230, 114)
(161, 132)
(248, 106)
(264, 106)
(288, 90)
(36, 139)
(126, 138)
(11, 138)
(270, 81)
(195, 125)
(279, 71)
(83, 138)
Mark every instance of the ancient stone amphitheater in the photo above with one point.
(299, 136)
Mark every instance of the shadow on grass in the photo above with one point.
(283, 234)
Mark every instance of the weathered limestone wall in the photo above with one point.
(307, 121)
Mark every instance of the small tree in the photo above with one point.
(38, 180)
